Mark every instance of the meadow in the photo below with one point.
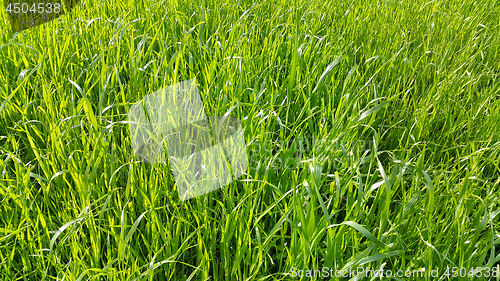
(389, 111)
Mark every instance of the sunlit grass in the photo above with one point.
(391, 109)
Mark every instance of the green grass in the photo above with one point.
(395, 103)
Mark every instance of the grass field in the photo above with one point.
(372, 131)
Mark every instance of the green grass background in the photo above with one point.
(398, 101)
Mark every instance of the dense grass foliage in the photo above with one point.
(389, 112)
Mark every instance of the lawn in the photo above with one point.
(372, 132)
